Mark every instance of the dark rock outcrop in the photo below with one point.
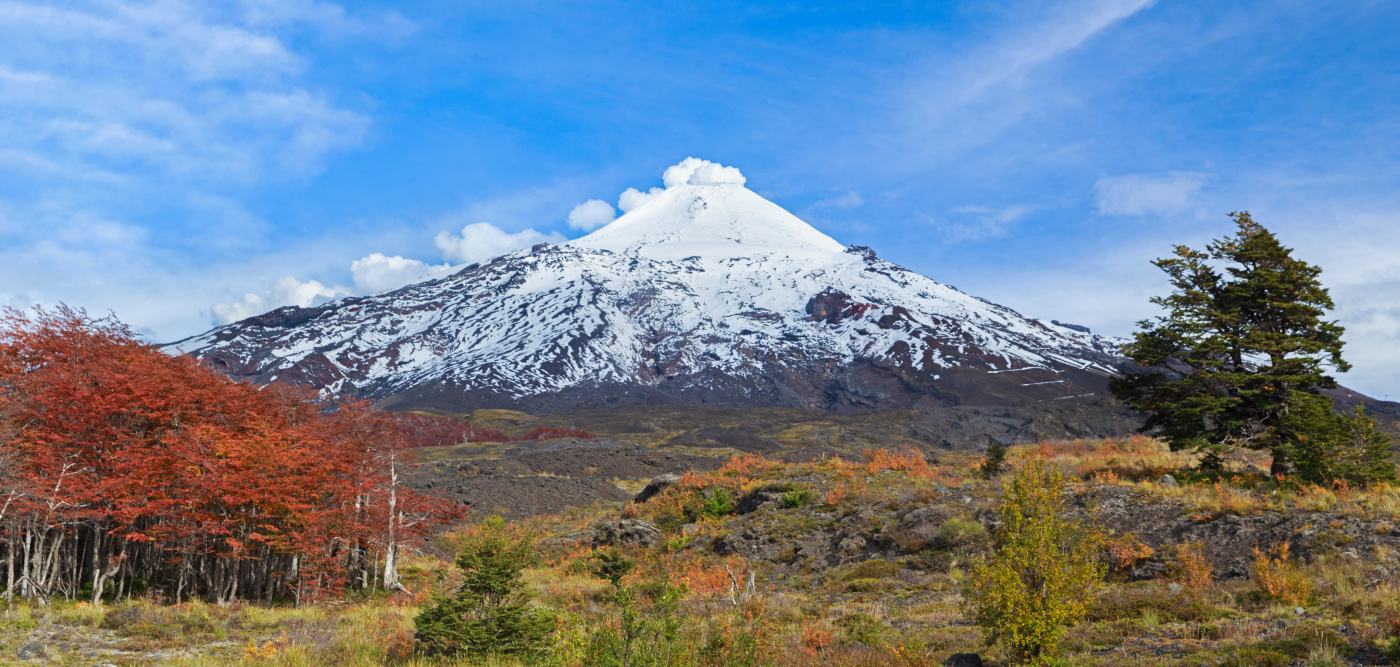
(626, 531)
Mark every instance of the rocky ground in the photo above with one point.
(638, 443)
(548, 477)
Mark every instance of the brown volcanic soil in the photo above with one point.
(545, 477)
(770, 431)
(640, 442)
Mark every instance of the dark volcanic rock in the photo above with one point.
(963, 660)
(547, 480)
(656, 486)
(1230, 539)
(626, 531)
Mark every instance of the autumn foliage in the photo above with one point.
(123, 466)
(419, 430)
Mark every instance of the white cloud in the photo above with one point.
(481, 241)
(331, 19)
(379, 273)
(851, 199)
(1146, 194)
(188, 88)
(632, 198)
(591, 215)
(694, 171)
(690, 171)
(975, 223)
(967, 97)
(287, 291)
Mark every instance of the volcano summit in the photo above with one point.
(704, 294)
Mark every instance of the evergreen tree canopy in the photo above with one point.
(490, 614)
(1238, 359)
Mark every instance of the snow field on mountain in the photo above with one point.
(698, 279)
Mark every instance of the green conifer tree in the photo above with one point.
(490, 614)
(1337, 447)
(1238, 359)
(995, 459)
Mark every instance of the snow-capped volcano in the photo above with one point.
(704, 294)
(712, 222)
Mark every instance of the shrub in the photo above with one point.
(1278, 578)
(1254, 656)
(611, 566)
(640, 637)
(489, 613)
(1190, 567)
(719, 504)
(868, 585)
(816, 636)
(958, 533)
(862, 629)
(797, 497)
(875, 568)
(748, 639)
(1127, 551)
(1045, 570)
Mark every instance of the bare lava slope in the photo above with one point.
(707, 294)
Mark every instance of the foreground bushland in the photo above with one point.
(850, 562)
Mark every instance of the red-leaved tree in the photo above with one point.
(119, 464)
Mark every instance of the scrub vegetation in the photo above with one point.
(885, 562)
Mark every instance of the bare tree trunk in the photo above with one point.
(296, 575)
(391, 566)
(49, 570)
(233, 587)
(391, 550)
(10, 565)
(99, 578)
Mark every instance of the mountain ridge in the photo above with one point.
(706, 294)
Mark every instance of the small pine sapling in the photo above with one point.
(611, 566)
(489, 615)
(993, 462)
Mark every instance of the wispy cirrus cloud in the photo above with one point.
(978, 223)
(178, 88)
(967, 99)
(1147, 194)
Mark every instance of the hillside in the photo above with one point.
(856, 561)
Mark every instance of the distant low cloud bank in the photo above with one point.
(287, 291)
(481, 241)
(377, 272)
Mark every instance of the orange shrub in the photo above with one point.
(1106, 477)
(909, 461)
(745, 465)
(1126, 551)
(1191, 568)
(1277, 577)
(704, 578)
(836, 495)
(816, 635)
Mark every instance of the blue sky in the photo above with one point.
(164, 160)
